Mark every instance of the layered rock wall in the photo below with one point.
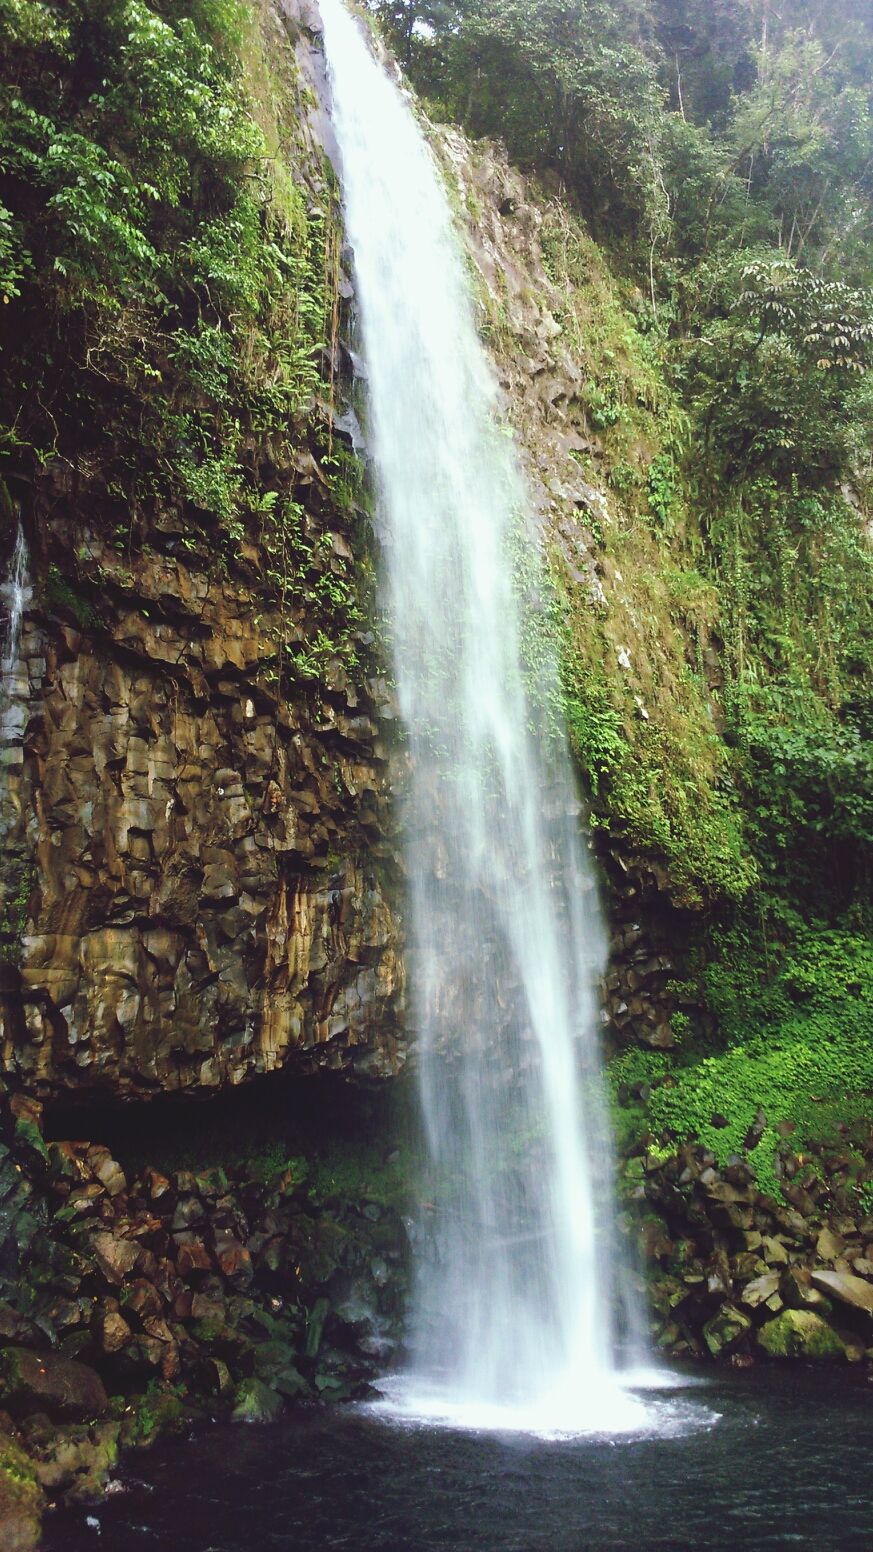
(199, 876)
(188, 846)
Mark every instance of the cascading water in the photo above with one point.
(513, 1320)
(15, 590)
(15, 594)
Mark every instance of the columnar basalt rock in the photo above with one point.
(200, 881)
(193, 910)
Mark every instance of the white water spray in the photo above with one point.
(514, 1306)
(15, 595)
(16, 592)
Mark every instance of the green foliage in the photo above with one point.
(140, 237)
(797, 1023)
(566, 86)
(188, 285)
(653, 783)
(773, 378)
(810, 784)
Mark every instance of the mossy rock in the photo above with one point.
(726, 1328)
(50, 1382)
(159, 1411)
(256, 1403)
(21, 1499)
(800, 1334)
(77, 1461)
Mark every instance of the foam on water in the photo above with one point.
(621, 1413)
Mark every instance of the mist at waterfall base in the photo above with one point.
(519, 1288)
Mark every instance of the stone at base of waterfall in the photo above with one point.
(256, 1403)
(21, 1499)
(47, 1382)
(761, 1289)
(849, 1289)
(726, 1328)
(799, 1333)
(75, 1460)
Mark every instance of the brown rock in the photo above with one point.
(234, 1262)
(192, 1256)
(847, 1288)
(204, 1307)
(108, 1171)
(797, 1291)
(86, 1198)
(157, 1184)
(16, 1328)
(829, 1246)
(48, 1382)
(774, 1251)
(144, 1299)
(115, 1333)
(157, 1327)
(115, 1257)
(760, 1290)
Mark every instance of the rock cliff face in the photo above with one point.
(201, 881)
(195, 911)
(542, 367)
(196, 835)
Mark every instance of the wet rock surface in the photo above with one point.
(193, 910)
(131, 1306)
(200, 878)
(736, 1273)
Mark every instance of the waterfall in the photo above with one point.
(513, 1319)
(15, 592)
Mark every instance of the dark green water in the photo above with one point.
(764, 1459)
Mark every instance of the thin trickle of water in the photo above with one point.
(15, 595)
(513, 1322)
(16, 592)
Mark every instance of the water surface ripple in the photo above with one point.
(776, 1459)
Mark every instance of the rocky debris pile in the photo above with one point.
(129, 1306)
(736, 1273)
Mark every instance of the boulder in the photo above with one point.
(800, 1333)
(847, 1288)
(115, 1333)
(115, 1257)
(47, 1382)
(107, 1170)
(774, 1251)
(726, 1328)
(797, 1291)
(760, 1289)
(255, 1402)
(76, 1460)
(829, 1245)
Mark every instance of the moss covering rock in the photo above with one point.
(800, 1334)
(255, 1402)
(726, 1330)
(21, 1498)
